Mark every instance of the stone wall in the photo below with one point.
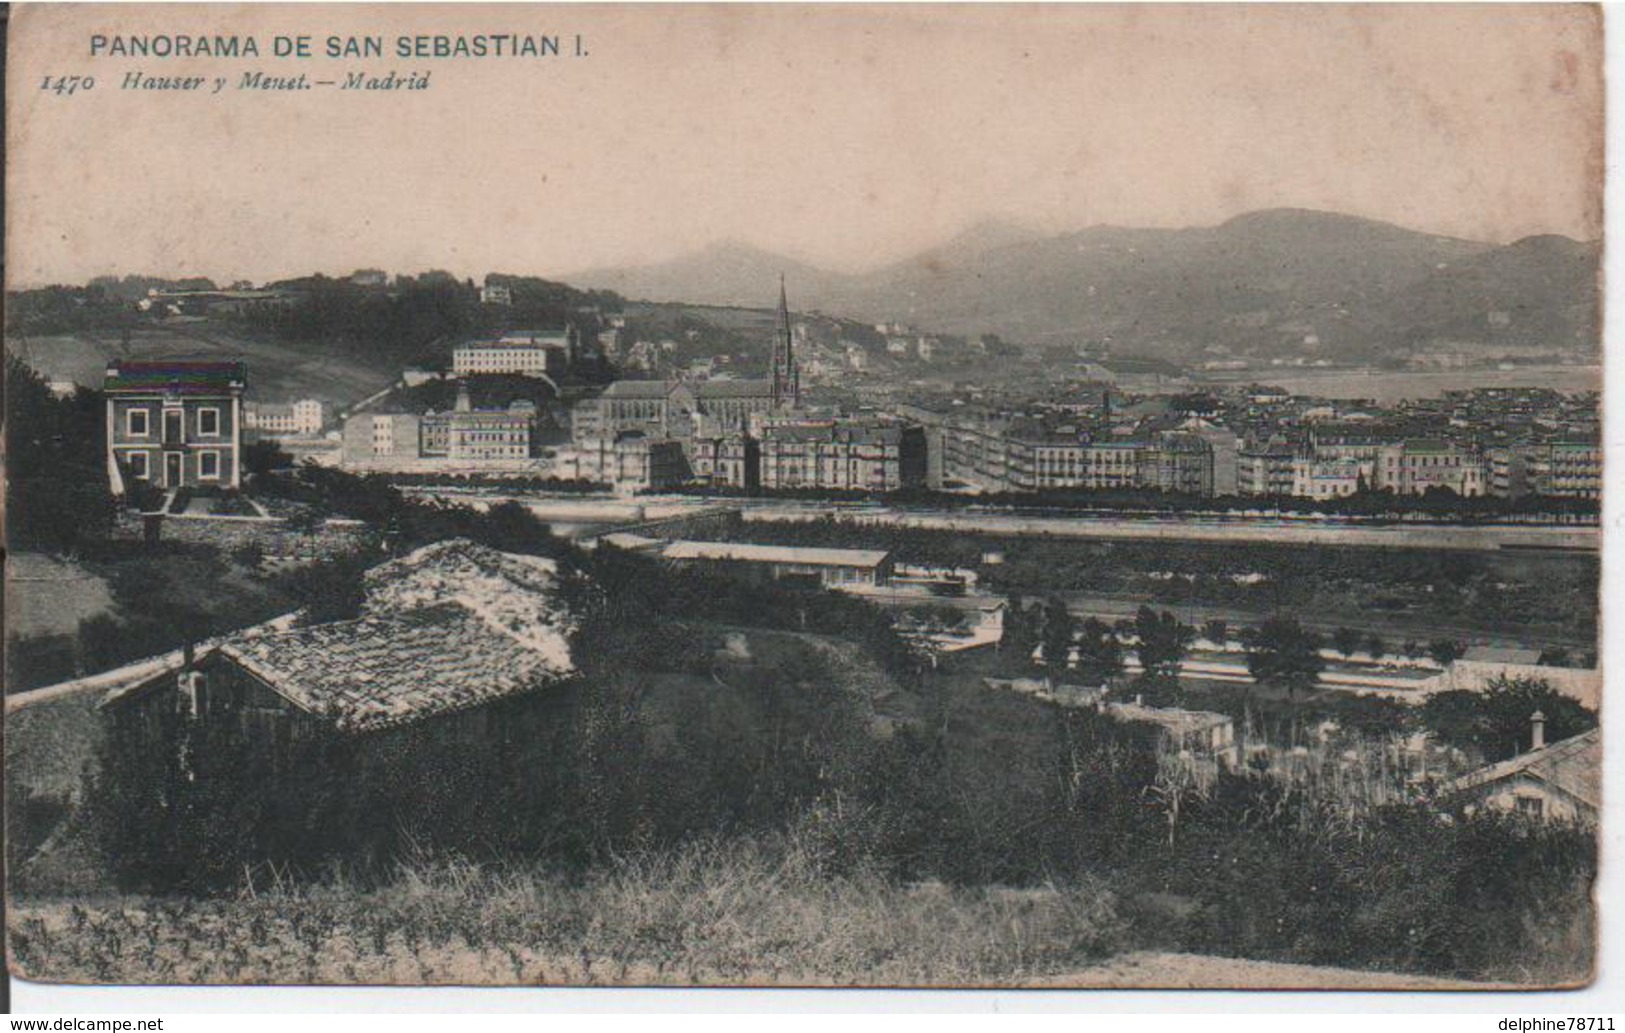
(273, 537)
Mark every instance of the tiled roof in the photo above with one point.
(449, 626)
(387, 670)
(515, 593)
(1573, 766)
(177, 376)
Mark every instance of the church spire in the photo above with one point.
(786, 377)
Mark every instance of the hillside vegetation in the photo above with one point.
(328, 338)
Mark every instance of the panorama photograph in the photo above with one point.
(799, 496)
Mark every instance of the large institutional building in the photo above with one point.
(175, 424)
(671, 408)
(527, 353)
(460, 438)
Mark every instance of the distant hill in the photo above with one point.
(1283, 281)
(727, 273)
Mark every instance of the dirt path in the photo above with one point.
(1161, 971)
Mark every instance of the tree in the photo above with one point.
(57, 492)
(1283, 653)
(308, 520)
(1059, 629)
(1100, 654)
(1216, 631)
(1509, 704)
(1346, 641)
(331, 590)
(1375, 647)
(249, 555)
(1497, 721)
(1555, 656)
(1163, 642)
(510, 527)
(1159, 690)
(1020, 631)
(1445, 651)
(264, 456)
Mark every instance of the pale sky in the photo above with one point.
(847, 136)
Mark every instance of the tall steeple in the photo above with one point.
(786, 377)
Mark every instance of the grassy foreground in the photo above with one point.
(741, 912)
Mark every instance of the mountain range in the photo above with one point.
(1275, 282)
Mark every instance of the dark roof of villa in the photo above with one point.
(176, 376)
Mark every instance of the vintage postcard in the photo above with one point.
(779, 495)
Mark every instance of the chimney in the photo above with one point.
(188, 655)
(1537, 733)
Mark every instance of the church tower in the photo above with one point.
(786, 377)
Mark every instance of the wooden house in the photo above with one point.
(448, 636)
(1560, 783)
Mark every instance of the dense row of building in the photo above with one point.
(1000, 453)
(183, 423)
(1199, 457)
(737, 433)
(642, 434)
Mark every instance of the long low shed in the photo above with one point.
(831, 567)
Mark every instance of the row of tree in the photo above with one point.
(1280, 651)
